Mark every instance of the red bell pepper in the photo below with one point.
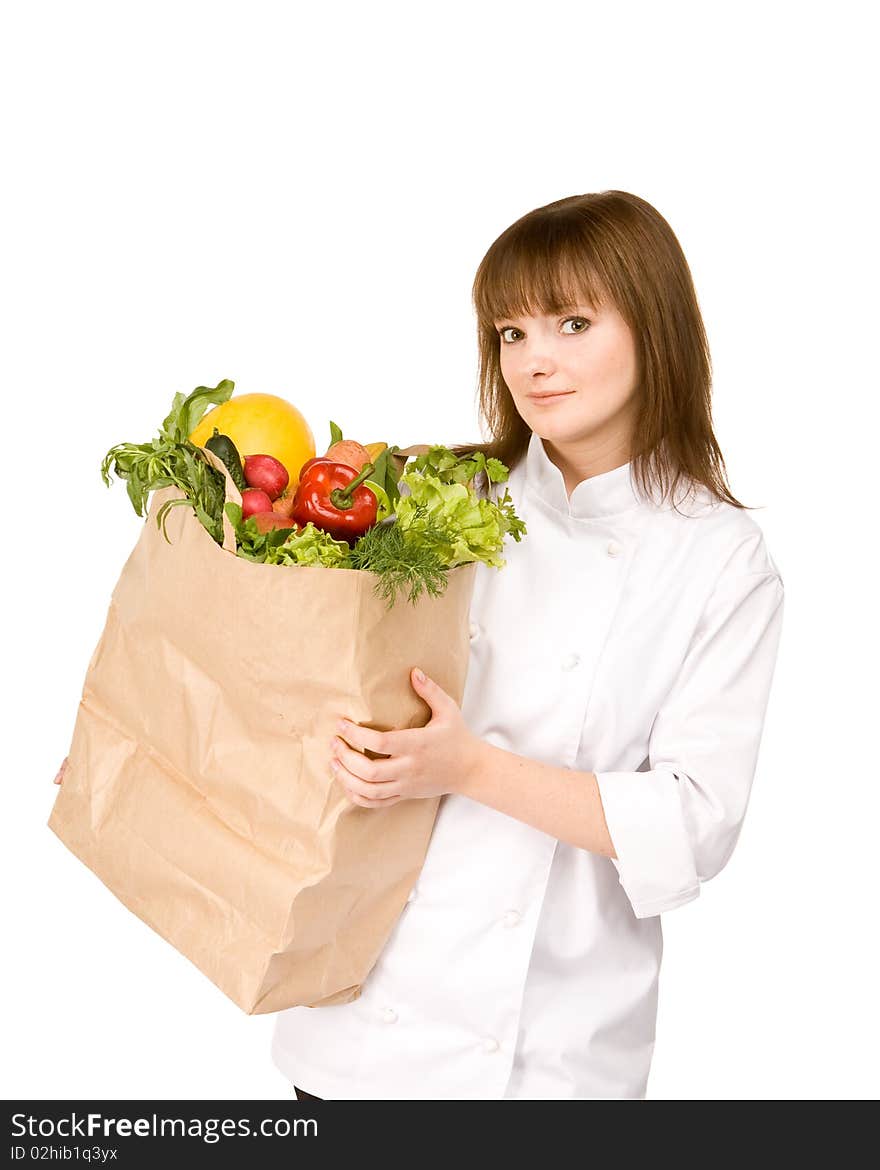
(333, 496)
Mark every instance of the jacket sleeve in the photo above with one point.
(676, 825)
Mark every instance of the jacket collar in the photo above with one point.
(608, 494)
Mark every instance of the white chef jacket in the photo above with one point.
(621, 638)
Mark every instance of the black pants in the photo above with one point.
(302, 1095)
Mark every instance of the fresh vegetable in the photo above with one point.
(310, 462)
(442, 497)
(384, 508)
(400, 563)
(253, 501)
(406, 523)
(349, 452)
(172, 459)
(264, 521)
(440, 523)
(283, 506)
(387, 469)
(266, 473)
(224, 448)
(310, 546)
(262, 423)
(385, 474)
(334, 497)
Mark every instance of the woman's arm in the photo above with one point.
(678, 823)
(446, 757)
(557, 801)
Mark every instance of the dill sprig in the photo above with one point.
(402, 561)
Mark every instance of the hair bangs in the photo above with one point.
(532, 269)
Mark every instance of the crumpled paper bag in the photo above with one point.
(198, 787)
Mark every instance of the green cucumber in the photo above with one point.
(225, 450)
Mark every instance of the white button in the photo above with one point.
(413, 894)
(613, 548)
(474, 630)
(570, 661)
(490, 1044)
(511, 917)
(389, 1015)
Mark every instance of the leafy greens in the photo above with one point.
(440, 520)
(171, 459)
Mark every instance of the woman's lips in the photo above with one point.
(551, 397)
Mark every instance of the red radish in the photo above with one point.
(264, 521)
(253, 501)
(267, 474)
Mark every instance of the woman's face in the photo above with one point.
(587, 358)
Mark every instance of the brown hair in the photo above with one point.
(607, 245)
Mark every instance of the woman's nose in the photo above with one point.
(538, 357)
(539, 362)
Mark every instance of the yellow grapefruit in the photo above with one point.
(261, 424)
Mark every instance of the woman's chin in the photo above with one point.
(561, 429)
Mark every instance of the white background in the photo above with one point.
(297, 197)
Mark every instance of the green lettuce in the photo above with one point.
(442, 499)
(280, 546)
(311, 546)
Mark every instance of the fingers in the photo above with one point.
(362, 785)
(375, 773)
(384, 743)
(365, 802)
(61, 771)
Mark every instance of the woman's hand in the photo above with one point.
(422, 761)
(61, 770)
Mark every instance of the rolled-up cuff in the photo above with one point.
(655, 861)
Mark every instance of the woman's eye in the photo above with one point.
(581, 320)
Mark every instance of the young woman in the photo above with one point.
(599, 767)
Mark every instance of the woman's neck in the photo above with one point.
(578, 463)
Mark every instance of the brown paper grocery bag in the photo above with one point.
(198, 786)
